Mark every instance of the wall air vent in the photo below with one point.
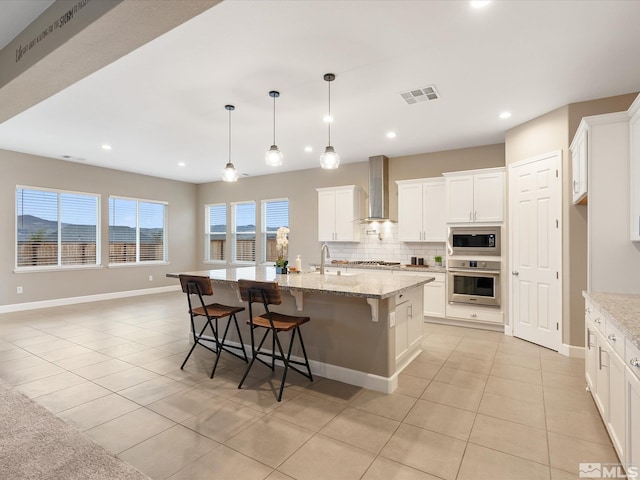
(418, 95)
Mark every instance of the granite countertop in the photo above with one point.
(375, 285)
(623, 309)
(401, 268)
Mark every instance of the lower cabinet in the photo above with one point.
(408, 324)
(632, 398)
(475, 313)
(435, 296)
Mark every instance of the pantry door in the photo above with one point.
(535, 249)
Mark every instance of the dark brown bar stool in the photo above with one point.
(268, 293)
(201, 286)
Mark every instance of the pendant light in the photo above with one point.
(230, 173)
(274, 157)
(329, 159)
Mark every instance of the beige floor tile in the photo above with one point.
(222, 420)
(116, 435)
(20, 363)
(482, 463)
(394, 406)
(562, 475)
(168, 452)
(569, 399)
(13, 353)
(276, 475)
(385, 469)
(361, 429)
(98, 411)
(184, 404)
(585, 425)
(126, 378)
(71, 351)
(422, 369)
(35, 339)
(152, 390)
(145, 356)
(269, 440)
(123, 349)
(460, 361)
(333, 390)
(519, 347)
(263, 395)
(567, 452)
(461, 378)
(512, 438)
(568, 366)
(50, 384)
(445, 339)
(79, 361)
(513, 372)
(323, 458)
(518, 411)
(424, 450)
(308, 411)
(515, 389)
(453, 395)
(411, 386)
(42, 348)
(524, 361)
(102, 369)
(433, 356)
(558, 380)
(441, 418)
(25, 375)
(102, 343)
(72, 397)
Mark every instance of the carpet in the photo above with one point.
(35, 444)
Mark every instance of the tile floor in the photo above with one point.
(474, 405)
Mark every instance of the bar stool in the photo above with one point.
(201, 286)
(268, 293)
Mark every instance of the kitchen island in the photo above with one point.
(364, 329)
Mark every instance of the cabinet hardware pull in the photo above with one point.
(598, 321)
(589, 339)
(575, 183)
(515, 273)
(600, 365)
(635, 362)
(474, 315)
(612, 337)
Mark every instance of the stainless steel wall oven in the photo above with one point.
(474, 282)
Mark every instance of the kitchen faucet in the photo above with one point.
(323, 248)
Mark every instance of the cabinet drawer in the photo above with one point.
(473, 313)
(598, 319)
(615, 338)
(401, 298)
(632, 356)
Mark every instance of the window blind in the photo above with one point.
(275, 214)
(216, 232)
(245, 232)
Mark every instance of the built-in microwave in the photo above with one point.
(474, 241)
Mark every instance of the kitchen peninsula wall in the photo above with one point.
(300, 188)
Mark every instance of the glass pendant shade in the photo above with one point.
(329, 160)
(273, 157)
(230, 174)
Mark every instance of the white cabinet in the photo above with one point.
(634, 145)
(435, 296)
(421, 213)
(407, 320)
(339, 214)
(474, 313)
(579, 160)
(632, 397)
(475, 196)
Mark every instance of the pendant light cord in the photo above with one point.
(330, 119)
(274, 120)
(229, 135)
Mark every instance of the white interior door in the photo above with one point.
(535, 250)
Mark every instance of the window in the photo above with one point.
(136, 231)
(56, 228)
(275, 214)
(244, 231)
(215, 232)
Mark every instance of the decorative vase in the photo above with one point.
(281, 270)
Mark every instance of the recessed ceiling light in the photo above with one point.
(106, 146)
(308, 149)
(327, 119)
(181, 164)
(391, 134)
(505, 115)
(479, 3)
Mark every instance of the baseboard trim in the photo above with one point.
(20, 307)
(571, 351)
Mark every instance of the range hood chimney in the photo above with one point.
(378, 189)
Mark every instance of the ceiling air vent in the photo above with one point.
(418, 95)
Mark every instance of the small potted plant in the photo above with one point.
(282, 243)
(438, 260)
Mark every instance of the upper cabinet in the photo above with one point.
(421, 213)
(339, 214)
(475, 196)
(634, 139)
(579, 161)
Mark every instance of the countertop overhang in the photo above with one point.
(375, 285)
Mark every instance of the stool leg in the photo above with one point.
(304, 352)
(196, 340)
(244, 352)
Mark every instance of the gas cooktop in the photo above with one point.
(371, 262)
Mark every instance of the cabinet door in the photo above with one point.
(402, 330)
(434, 299)
(617, 416)
(459, 199)
(410, 212)
(434, 218)
(488, 197)
(579, 158)
(347, 221)
(326, 216)
(590, 357)
(633, 418)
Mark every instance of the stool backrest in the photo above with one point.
(267, 293)
(196, 285)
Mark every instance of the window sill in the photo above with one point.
(137, 264)
(56, 268)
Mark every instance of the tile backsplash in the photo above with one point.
(379, 241)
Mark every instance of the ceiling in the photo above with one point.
(163, 103)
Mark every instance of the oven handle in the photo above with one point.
(481, 272)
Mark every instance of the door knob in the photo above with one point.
(515, 273)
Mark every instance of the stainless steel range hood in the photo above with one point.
(378, 189)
